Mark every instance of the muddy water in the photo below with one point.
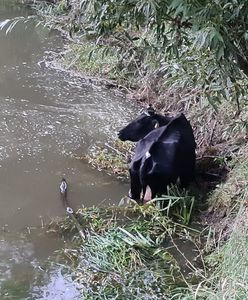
(48, 117)
(26, 271)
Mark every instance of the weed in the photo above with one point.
(177, 203)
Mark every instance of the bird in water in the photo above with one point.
(63, 186)
(63, 191)
(68, 209)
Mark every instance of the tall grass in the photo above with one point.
(126, 254)
(228, 267)
(122, 265)
(177, 203)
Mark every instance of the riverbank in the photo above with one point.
(221, 135)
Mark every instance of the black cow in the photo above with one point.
(161, 157)
(142, 125)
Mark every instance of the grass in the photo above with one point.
(112, 158)
(227, 263)
(90, 59)
(123, 264)
(125, 253)
(176, 203)
(229, 195)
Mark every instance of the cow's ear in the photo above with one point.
(155, 124)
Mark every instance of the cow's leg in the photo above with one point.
(187, 174)
(184, 181)
(135, 186)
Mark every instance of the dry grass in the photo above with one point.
(112, 158)
(217, 133)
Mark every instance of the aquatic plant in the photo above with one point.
(177, 203)
(126, 254)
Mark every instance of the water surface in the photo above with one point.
(47, 118)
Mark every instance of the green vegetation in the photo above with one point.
(228, 262)
(84, 57)
(184, 46)
(111, 158)
(126, 254)
(233, 192)
(176, 203)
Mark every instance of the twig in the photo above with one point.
(212, 133)
(209, 156)
(80, 230)
(193, 268)
(117, 151)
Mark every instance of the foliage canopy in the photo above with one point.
(216, 25)
(203, 41)
(191, 46)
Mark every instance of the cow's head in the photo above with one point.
(142, 125)
(138, 128)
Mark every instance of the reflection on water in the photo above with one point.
(57, 287)
(24, 273)
(48, 117)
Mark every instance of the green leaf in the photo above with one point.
(174, 4)
(220, 53)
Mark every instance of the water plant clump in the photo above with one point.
(124, 257)
(121, 265)
(111, 157)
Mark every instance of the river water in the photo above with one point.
(47, 118)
